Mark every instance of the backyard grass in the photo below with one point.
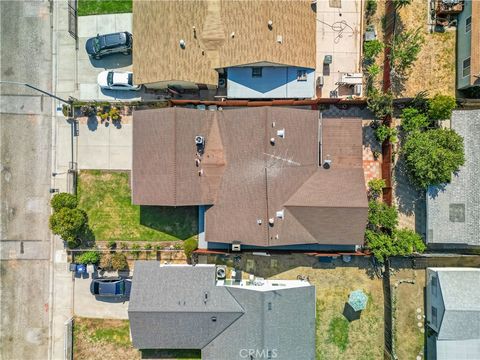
(98, 7)
(106, 197)
(338, 332)
(337, 338)
(409, 340)
(96, 339)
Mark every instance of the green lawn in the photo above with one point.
(106, 197)
(97, 7)
(338, 332)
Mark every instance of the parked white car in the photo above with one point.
(117, 80)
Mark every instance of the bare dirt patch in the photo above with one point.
(409, 339)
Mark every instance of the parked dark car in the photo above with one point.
(111, 287)
(101, 45)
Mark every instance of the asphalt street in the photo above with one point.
(25, 173)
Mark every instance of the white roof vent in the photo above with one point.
(232, 35)
(273, 123)
(182, 44)
(280, 214)
(200, 172)
(270, 24)
(259, 221)
(279, 39)
(281, 133)
(272, 141)
(327, 164)
(271, 221)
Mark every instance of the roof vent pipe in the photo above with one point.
(281, 133)
(270, 25)
(182, 44)
(232, 35)
(272, 141)
(271, 221)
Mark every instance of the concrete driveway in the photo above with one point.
(96, 148)
(88, 69)
(86, 305)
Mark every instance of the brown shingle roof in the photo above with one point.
(248, 179)
(158, 26)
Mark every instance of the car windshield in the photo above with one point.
(96, 45)
(120, 288)
(110, 78)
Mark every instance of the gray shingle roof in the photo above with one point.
(167, 310)
(459, 334)
(453, 212)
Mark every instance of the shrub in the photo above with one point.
(371, 7)
(124, 246)
(440, 107)
(372, 48)
(73, 243)
(410, 241)
(178, 246)
(373, 70)
(189, 246)
(89, 257)
(112, 244)
(114, 113)
(413, 119)
(376, 186)
(384, 132)
(420, 102)
(432, 156)
(401, 3)
(68, 223)
(136, 250)
(63, 200)
(119, 261)
(148, 247)
(381, 216)
(106, 261)
(380, 104)
(159, 247)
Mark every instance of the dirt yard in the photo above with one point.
(337, 338)
(99, 339)
(434, 70)
(409, 338)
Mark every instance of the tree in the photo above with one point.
(413, 119)
(382, 217)
(119, 261)
(384, 132)
(400, 243)
(372, 48)
(68, 223)
(63, 200)
(376, 186)
(371, 7)
(189, 246)
(405, 49)
(380, 104)
(89, 257)
(432, 156)
(440, 107)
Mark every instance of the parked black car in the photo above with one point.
(111, 287)
(101, 45)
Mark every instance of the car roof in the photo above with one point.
(109, 287)
(114, 39)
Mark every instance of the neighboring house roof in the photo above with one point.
(168, 310)
(248, 180)
(453, 213)
(459, 333)
(158, 27)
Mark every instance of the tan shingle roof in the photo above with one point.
(158, 26)
(246, 178)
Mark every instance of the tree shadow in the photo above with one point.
(170, 354)
(350, 313)
(369, 139)
(180, 222)
(92, 123)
